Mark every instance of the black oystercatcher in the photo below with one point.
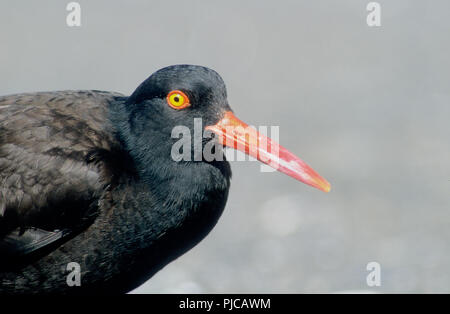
(87, 177)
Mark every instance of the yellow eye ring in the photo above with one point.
(178, 100)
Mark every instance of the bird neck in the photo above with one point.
(176, 204)
(179, 182)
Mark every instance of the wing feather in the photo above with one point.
(46, 179)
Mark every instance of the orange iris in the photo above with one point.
(178, 100)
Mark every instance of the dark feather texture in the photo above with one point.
(87, 177)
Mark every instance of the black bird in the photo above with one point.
(90, 177)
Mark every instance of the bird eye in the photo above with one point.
(178, 100)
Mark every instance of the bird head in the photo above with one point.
(179, 95)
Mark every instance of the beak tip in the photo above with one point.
(324, 186)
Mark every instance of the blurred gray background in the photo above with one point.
(368, 108)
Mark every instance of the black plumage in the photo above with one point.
(87, 177)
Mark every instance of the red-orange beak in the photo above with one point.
(234, 133)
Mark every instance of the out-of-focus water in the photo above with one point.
(368, 108)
